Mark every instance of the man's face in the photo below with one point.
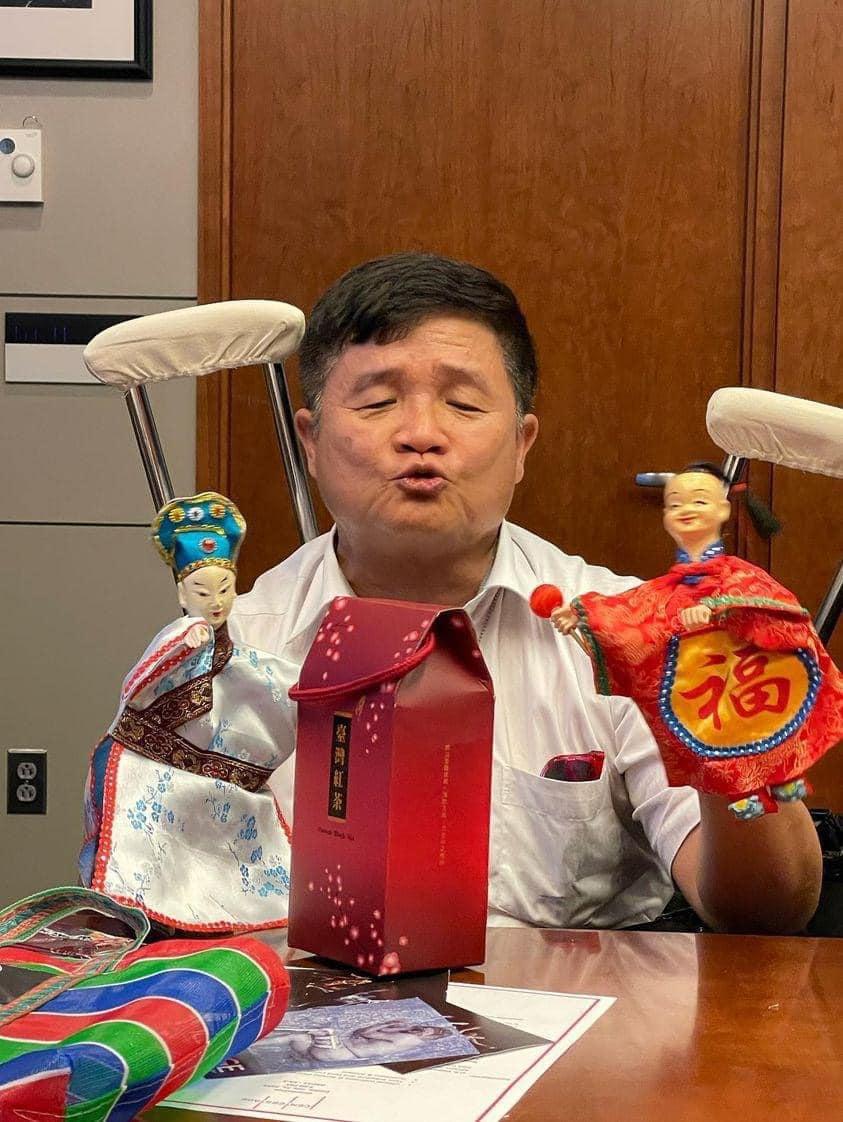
(420, 438)
(695, 508)
(208, 593)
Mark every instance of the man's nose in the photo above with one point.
(420, 430)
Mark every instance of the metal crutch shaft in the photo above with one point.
(829, 611)
(282, 412)
(149, 445)
(733, 467)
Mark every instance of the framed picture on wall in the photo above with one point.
(76, 39)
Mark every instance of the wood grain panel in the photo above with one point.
(810, 342)
(761, 249)
(212, 393)
(593, 155)
(810, 322)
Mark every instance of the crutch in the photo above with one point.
(188, 343)
(749, 424)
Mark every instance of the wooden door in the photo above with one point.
(593, 155)
(809, 330)
(618, 163)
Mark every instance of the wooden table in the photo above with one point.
(706, 1027)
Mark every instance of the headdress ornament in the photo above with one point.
(199, 530)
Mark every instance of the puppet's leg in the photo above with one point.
(792, 791)
(753, 805)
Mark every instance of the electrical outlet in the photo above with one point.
(26, 781)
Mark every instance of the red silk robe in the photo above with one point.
(749, 701)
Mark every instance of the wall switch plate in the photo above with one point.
(26, 781)
(20, 166)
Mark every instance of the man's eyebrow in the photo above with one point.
(369, 378)
(457, 373)
(454, 372)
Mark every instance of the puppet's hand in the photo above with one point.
(692, 618)
(197, 636)
(564, 619)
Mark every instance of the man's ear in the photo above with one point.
(181, 595)
(528, 430)
(306, 429)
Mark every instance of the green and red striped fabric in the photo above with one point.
(113, 1043)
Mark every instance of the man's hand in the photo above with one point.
(197, 636)
(697, 616)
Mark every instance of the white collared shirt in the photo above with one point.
(563, 854)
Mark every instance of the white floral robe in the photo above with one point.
(198, 852)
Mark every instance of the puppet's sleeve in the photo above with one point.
(592, 640)
(756, 608)
(167, 651)
(617, 634)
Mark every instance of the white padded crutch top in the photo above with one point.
(189, 342)
(760, 425)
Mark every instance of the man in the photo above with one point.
(418, 375)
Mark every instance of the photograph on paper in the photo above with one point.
(331, 1036)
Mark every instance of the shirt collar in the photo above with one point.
(326, 582)
(510, 570)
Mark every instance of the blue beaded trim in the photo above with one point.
(754, 747)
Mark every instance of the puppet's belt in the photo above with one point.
(146, 737)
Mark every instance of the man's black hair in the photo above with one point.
(383, 300)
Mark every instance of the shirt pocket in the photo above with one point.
(550, 825)
(558, 799)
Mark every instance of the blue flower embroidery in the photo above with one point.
(219, 809)
(150, 811)
(258, 877)
(248, 833)
(138, 818)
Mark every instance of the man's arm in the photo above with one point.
(758, 876)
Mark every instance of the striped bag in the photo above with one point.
(95, 1026)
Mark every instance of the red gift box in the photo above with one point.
(392, 789)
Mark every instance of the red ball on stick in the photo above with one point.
(545, 599)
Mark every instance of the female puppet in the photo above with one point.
(179, 819)
(722, 661)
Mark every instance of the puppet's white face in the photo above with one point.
(695, 510)
(208, 593)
